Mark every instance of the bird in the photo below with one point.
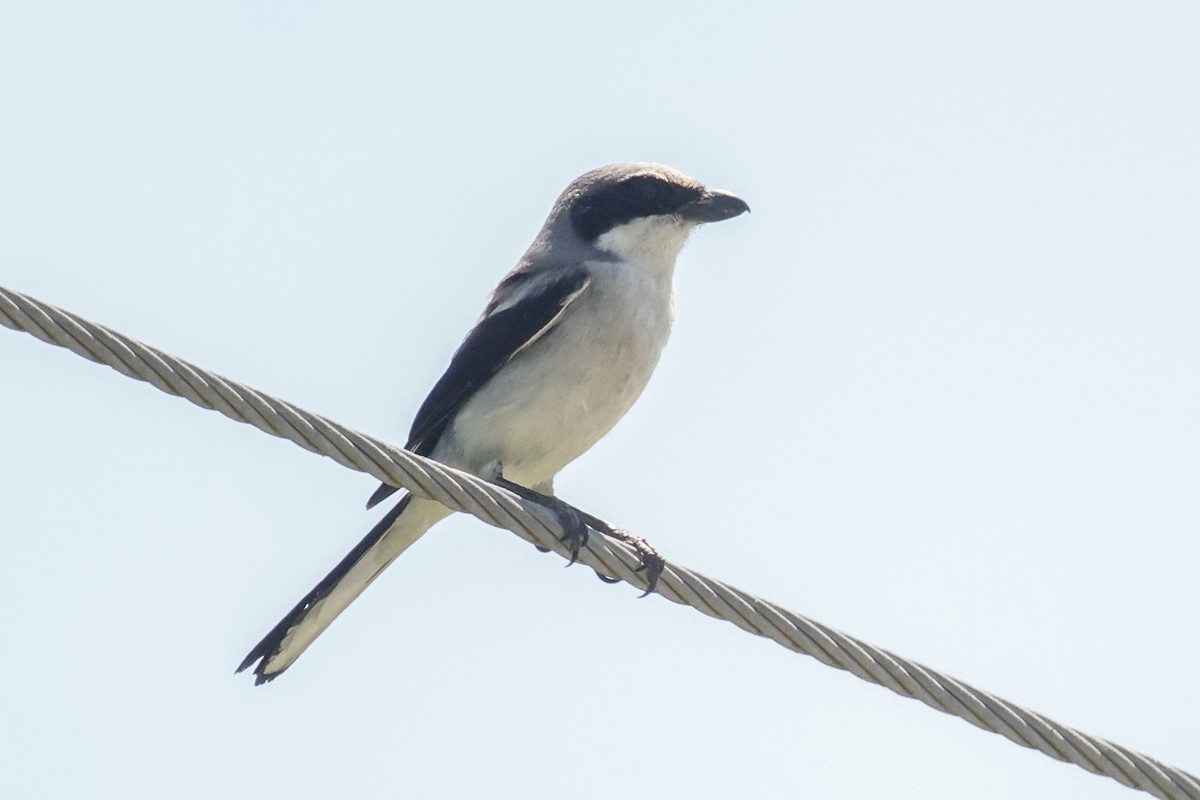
(566, 343)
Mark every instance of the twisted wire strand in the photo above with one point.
(496, 506)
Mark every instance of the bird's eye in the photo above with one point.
(650, 191)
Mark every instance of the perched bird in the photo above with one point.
(565, 345)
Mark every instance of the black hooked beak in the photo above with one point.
(714, 206)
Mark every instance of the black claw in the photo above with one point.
(607, 579)
(575, 538)
(575, 529)
(653, 564)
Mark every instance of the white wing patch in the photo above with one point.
(566, 303)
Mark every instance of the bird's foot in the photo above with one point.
(575, 529)
(652, 563)
(576, 525)
(573, 521)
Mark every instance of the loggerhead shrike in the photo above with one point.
(565, 345)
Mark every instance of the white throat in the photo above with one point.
(650, 242)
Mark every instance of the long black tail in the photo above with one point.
(272, 643)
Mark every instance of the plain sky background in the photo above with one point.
(939, 390)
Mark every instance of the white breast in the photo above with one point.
(559, 396)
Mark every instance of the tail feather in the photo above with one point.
(391, 536)
(379, 495)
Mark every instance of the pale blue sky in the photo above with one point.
(939, 390)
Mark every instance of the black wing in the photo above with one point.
(502, 333)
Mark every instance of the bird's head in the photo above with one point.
(639, 212)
